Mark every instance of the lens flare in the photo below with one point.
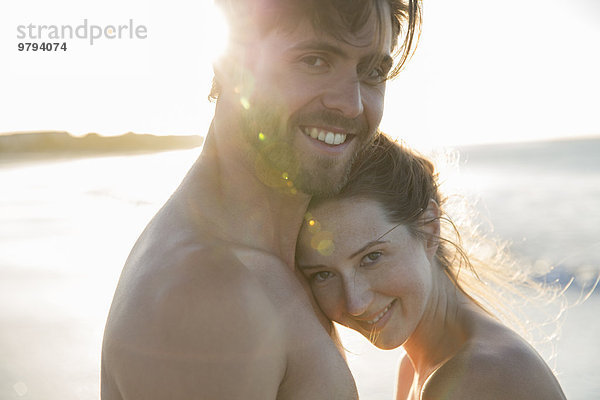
(322, 242)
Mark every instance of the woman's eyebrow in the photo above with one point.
(365, 247)
(368, 245)
(305, 267)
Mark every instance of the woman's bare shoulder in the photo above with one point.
(406, 374)
(500, 365)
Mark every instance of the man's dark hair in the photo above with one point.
(334, 17)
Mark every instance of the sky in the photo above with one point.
(483, 72)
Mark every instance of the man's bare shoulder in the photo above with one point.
(195, 325)
(506, 368)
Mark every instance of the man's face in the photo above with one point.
(309, 102)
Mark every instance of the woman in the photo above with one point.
(379, 260)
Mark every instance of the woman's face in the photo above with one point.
(365, 272)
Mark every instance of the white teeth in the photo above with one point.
(324, 136)
(329, 138)
(381, 314)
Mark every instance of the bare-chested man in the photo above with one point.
(209, 305)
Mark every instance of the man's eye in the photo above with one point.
(321, 276)
(370, 258)
(314, 61)
(376, 75)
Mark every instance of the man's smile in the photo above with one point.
(324, 135)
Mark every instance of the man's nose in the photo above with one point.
(344, 96)
(358, 295)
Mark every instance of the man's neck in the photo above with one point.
(241, 208)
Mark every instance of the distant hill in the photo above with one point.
(580, 154)
(62, 143)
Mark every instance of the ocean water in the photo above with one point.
(544, 197)
(66, 227)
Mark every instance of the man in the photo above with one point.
(209, 305)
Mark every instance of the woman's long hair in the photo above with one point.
(481, 267)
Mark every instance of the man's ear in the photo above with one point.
(223, 68)
(431, 228)
(233, 71)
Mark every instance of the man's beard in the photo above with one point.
(279, 164)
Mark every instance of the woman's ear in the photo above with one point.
(431, 228)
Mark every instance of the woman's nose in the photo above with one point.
(358, 295)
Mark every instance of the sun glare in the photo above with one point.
(215, 30)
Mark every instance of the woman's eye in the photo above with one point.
(320, 276)
(314, 61)
(370, 258)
